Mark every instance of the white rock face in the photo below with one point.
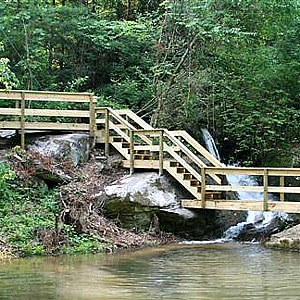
(146, 188)
(7, 133)
(74, 147)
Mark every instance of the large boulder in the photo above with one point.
(73, 147)
(54, 156)
(135, 200)
(148, 201)
(288, 239)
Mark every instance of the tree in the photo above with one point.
(7, 77)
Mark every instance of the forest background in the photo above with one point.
(232, 66)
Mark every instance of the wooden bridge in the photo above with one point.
(145, 147)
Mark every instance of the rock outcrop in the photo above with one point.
(288, 239)
(73, 147)
(151, 202)
(52, 155)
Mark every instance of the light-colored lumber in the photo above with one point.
(46, 96)
(246, 205)
(199, 148)
(235, 188)
(138, 120)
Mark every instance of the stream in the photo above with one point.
(205, 271)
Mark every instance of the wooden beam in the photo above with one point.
(131, 134)
(253, 171)
(45, 96)
(203, 187)
(92, 119)
(142, 164)
(234, 188)
(199, 148)
(266, 192)
(161, 152)
(22, 120)
(106, 151)
(44, 126)
(281, 182)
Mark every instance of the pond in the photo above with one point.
(204, 271)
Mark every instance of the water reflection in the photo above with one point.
(221, 271)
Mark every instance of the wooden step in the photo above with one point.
(213, 195)
(195, 182)
(117, 139)
(126, 145)
(181, 170)
(187, 176)
(140, 152)
(142, 157)
(174, 164)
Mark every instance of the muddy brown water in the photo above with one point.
(213, 271)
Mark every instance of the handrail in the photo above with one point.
(46, 96)
(199, 148)
(138, 120)
(193, 162)
(175, 140)
(265, 187)
(190, 154)
(18, 116)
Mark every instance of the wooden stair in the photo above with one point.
(176, 158)
(145, 147)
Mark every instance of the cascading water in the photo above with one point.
(257, 219)
(210, 143)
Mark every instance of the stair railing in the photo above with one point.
(196, 147)
(170, 144)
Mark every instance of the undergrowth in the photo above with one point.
(29, 219)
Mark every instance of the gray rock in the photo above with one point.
(55, 154)
(144, 201)
(148, 189)
(288, 239)
(68, 147)
(7, 133)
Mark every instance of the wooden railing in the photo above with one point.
(272, 187)
(143, 146)
(32, 110)
(165, 143)
(179, 146)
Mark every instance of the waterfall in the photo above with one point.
(258, 219)
(210, 143)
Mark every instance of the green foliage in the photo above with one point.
(25, 210)
(6, 175)
(28, 220)
(231, 66)
(239, 78)
(7, 77)
(81, 243)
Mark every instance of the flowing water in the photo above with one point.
(211, 271)
(257, 218)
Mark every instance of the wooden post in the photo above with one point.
(161, 152)
(106, 151)
(22, 120)
(266, 194)
(281, 197)
(203, 187)
(131, 151)
(92, 120)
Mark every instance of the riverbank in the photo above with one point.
(51, 207)
(42, 217)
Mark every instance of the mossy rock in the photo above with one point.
(130, 215)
